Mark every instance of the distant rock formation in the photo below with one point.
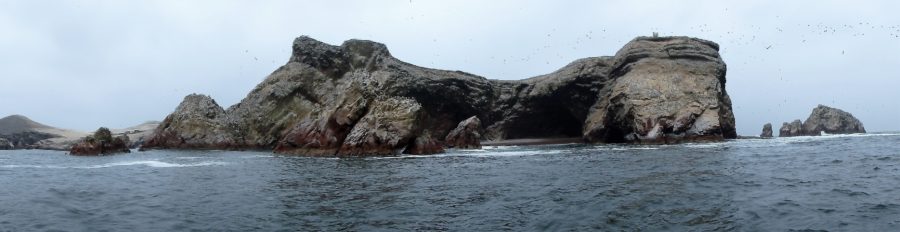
(101, 143)
(794, 128)
(831, 121)
(823, 119)
(766, 131)
(358, 100)
(465, 135)
(24, 133)
(5, 144)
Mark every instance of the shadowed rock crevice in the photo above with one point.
(356, 100)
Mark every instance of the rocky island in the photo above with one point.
(101, 142)
(766, 131)
(357, 100)
(823, 119)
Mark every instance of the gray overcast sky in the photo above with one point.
(85, 64)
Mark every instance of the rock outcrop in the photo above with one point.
(794, 128)
(766, 131)
(5, 144)
(823, 119)
(666, 89)
(101, 143)
(197, 123)
(465, 135)
(831, 121)
(356, 100)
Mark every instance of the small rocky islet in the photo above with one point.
(822, 120)
(102, 142)
(357, 100)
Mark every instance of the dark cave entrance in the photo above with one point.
(549, 122)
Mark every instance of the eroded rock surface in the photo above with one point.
(794, 128)
(823, 119)
(101, 143)
(766, 131)
(667, 89)
(331, 101)
(197, 123)
(465, 135)
(831, 121)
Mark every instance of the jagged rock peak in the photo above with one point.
(199, 103)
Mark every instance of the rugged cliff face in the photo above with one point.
(197, 123)
(356, 99)
(666, 90)
(766, 131)
(824, 119)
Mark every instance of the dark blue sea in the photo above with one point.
(832, 183)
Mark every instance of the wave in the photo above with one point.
(477, 153)
(155, 164)
(625, 148)
(149, 163)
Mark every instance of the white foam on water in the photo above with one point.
(155, 164)
(624, 148)
(149, 163)
(29, 166)
(783, 141)
(477, 154)
(704, 145)
(499, 147)
(258, 156)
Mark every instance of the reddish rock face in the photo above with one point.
(465, 135)
(197, 123)
(101, 143)
(390, 126)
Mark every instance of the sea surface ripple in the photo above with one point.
(833, 183)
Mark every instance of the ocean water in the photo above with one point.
(834, 183)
